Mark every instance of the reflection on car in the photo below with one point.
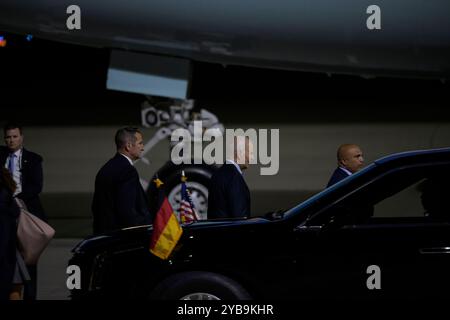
(393, 216)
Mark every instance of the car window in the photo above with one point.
(416, 191)
(412, 192)
(405, 203)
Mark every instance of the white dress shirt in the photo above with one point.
(346, 171)
(17, 174)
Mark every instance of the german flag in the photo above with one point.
(166, 229)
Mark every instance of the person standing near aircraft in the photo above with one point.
(119, 199)
(350, 160)
(229, 196)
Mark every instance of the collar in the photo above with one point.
(126, 157)
(18, 153)
(345, 170)
(235, 164)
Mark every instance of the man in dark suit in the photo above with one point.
(350, 160)
(26, 169)
(229, 196)
(119, 199)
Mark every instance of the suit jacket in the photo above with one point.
(229, 196)
(119, 200)
(337, 176)
(32, 180)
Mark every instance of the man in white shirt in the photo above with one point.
(26, 169)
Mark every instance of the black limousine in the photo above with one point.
(358, 239)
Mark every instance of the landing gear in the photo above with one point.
(198, 177)
(180, 114)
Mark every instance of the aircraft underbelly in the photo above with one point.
(317, 35)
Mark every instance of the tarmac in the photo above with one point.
(52, 269)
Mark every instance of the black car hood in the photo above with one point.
(142, 233)
(223, 223)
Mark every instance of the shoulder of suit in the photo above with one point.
(120, 159)
(225, 172)
(125, 166)
(116, 168)
(33, 156)
(228, 169)
(118, 162)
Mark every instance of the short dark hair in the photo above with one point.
(10, 126)
(125, 135)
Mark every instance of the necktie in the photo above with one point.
(11, 163)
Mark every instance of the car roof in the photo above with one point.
(420, 155)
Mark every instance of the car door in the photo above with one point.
(379, 241)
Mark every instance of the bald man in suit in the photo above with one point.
(350, 160)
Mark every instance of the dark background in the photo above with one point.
(47, 84)
(48, 81)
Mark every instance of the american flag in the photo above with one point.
(187, 209)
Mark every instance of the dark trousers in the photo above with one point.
(30, 288)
